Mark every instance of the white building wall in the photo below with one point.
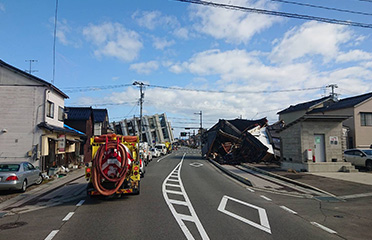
(21, 109)
(58, 101)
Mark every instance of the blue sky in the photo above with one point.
(247, 57)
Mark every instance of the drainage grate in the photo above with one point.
(12, 225)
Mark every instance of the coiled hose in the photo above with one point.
(98, 176)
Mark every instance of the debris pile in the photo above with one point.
(236, 141)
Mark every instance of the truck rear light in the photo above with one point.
(12, 178)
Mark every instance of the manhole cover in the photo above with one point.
(12, 225)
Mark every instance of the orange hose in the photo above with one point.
(98, 175)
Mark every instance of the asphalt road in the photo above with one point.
(182, 197)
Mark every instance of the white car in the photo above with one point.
(359, 157)
(155, 152)
(162, 148)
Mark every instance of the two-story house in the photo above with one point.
(32, 121)
(317, 132)
(92, 122)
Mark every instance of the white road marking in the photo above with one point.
(323, 227)
(266, 198)
(68, 216)
(250, 189)
(264, 221)
(80, 203)
(180, 218)
(196, 164)
(51, 235)
(288, 209)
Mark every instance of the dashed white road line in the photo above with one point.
(52, 235)
(288, 209)
(323, 227)
(181, 218)
(266, 198)
(250, 189)
(80, 203)
(68, 216)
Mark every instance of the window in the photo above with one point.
(50, 109)
(366, 119)
(60, 114)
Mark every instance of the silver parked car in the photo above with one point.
(18, 176)
(359, 157)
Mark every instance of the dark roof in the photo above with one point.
(59, 129)
(99, 115)
(322, 118)
(303, 106)
(78, 113)
(345, 103)
(32, 77)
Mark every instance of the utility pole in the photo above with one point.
(142, 95)
(201, 127)
(333, 94)
(30, 71)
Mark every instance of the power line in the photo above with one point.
(245, 92)
(281, 14)
(93, 88)
(99, 88)
(323, 7)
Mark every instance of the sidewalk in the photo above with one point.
(340, 184)
(40, 191)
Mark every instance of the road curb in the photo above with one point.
(235, 176)
(304, 185)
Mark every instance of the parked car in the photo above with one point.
(359, 157)
(142, 167)
(18, 176)
(155, 152)
(162, 148)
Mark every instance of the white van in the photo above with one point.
(162, 148)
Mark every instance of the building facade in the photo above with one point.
(32, 121)
(155, 129)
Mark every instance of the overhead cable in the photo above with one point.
(323, 7)
(281, 14)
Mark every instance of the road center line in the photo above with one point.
(68, 216)
(266, 198)
(80, 203)
(323, 227)
(51, 235)
(288, 210)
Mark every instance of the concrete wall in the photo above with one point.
(299, 137)
(292, 116)
(291, 144)
(329, 129)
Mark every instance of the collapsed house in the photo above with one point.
(236, 141)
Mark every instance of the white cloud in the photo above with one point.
(182, 33)
(145, 68)
(354, 55)
(113, 40)
(312, 38)
(232, 25)
(2, 7)
(161, 43)
(154, 19)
